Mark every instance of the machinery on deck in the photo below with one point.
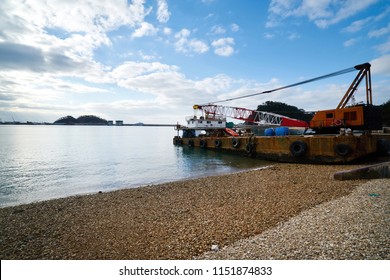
(255, 137)
(250, 116)
(357, 117)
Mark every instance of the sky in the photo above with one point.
(151, 60)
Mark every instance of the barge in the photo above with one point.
(341, 135)
(342, 148)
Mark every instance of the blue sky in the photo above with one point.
(151, 60)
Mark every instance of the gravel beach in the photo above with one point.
(353, 227)
(286, 211)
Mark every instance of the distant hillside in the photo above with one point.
(87, 119)
(66, 120)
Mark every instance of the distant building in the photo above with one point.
(118, 122)
(110, 122)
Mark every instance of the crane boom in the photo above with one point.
(364, 72)
(250, 116)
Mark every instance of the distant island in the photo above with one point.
(82, 120)
(94, 120)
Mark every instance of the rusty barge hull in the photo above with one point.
(296, 148)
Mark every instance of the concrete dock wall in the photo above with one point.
(376, 171)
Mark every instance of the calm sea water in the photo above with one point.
(44, 162)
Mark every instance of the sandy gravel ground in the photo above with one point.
(182, 220)
(356, 226)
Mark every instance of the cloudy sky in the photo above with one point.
(151, 60)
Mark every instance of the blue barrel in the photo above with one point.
(281, 131)
(269, 132)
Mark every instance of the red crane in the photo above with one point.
(249, 116)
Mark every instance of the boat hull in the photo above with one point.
(296, 148)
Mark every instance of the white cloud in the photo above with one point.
(234, 27)
(379, 32)
(186, 45)
(167, 31)
(163, 13)
(357, 25)
(146, 29)
(350, 42)
(217, 29)
(384, 47)
(33, 89)
(215, 84)
(161, 85)
(381, 65)
(72, 29)
(167, 86)
(197, 46)
(323, 13)
(132, 69)
(223, 46)
(146, 56)
(184, 33)
(294, 36)
(73, 16)
(269, 35)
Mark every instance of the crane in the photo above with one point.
(362, 116)
(249, 116)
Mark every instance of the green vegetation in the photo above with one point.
(385, 108)
(86, 120)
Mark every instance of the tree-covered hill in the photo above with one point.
(69, 120)
(90, 119)
(86, 119)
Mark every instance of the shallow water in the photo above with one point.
(45, 162)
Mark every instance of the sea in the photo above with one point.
(42, 162)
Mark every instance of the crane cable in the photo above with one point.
(347, 70)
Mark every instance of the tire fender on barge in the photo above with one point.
(203, 143)
(218, 143)
(342, 149)
(235, 142)
(298, 148)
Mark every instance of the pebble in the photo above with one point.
(215, 248)
(184, 219)
(350, 227)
